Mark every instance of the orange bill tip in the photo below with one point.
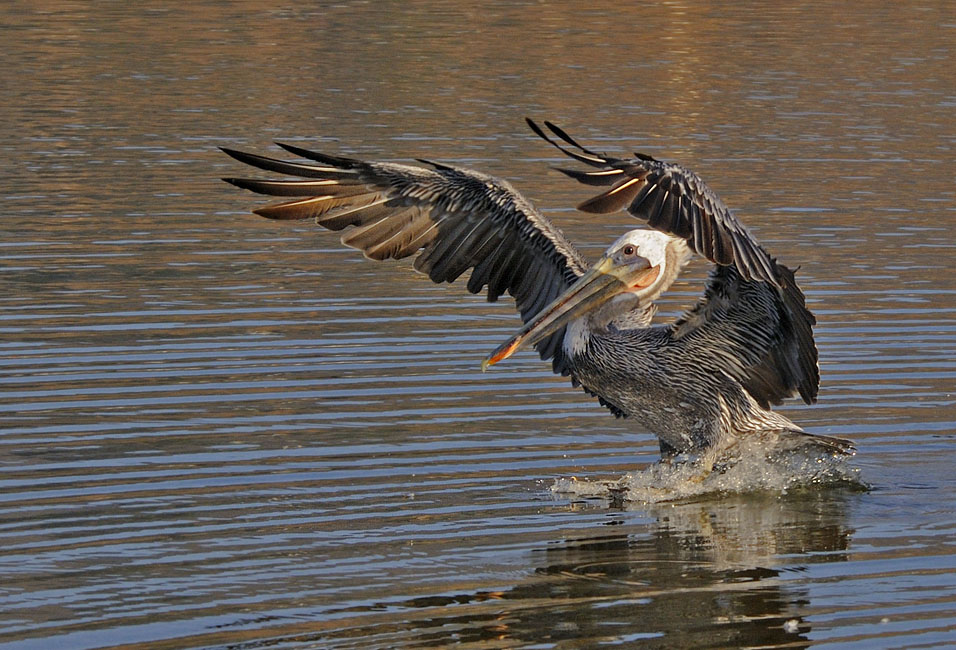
(503, 352)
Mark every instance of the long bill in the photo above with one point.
(599, 284)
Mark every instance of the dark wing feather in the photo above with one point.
(752, 320)
(671, 199)
(759, 333)
(457, 218)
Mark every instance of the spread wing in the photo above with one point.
(454, 219)
(753, 317)
(671, 199)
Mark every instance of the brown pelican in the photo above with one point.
(701, 383)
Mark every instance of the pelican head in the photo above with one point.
(635, 269)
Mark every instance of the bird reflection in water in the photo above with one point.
(703, 574)
(717, 573)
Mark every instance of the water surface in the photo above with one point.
(219, 431)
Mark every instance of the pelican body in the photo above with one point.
(701, 383)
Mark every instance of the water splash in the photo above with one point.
(750, 470)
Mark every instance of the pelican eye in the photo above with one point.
(628, 250)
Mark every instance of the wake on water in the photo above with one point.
(750, 470)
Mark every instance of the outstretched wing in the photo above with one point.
(671, 199)
(752, 315)
(455, 219)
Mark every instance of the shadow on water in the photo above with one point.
(709, 573)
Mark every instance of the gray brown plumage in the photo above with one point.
(454, 219)
(699, 383)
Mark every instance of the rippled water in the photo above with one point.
(219, 431)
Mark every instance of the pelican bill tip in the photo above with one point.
(502, 352)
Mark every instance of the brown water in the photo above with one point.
(224, 432)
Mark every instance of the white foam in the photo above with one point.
(749, 471)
